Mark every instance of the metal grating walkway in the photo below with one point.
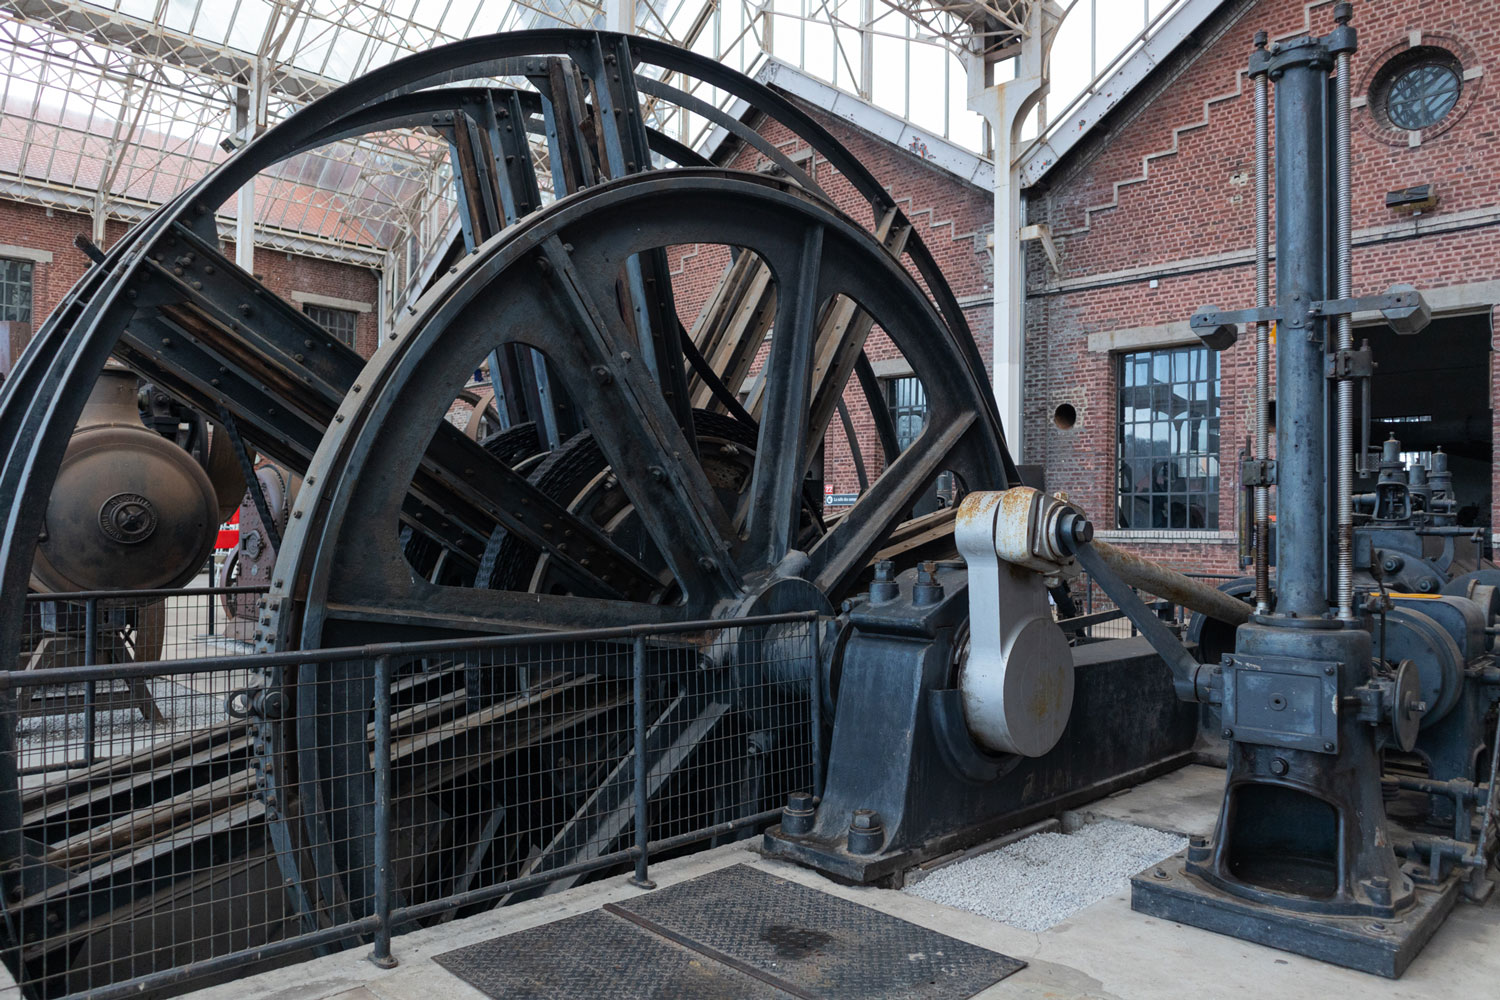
(737, 932)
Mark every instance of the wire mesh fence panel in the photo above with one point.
(505, 763)
(229, 814)
(137, 626)
(1102, 618)
(156, 854)
(76, 723)
(738, 708)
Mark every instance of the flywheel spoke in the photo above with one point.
(638, 433)
(776, 490)
(846, 550)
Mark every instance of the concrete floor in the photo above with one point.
(1103, 952)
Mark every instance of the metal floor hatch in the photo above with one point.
(734, 933)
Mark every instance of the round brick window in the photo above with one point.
(1413, 93)
(1418, 89)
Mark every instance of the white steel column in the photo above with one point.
(619, 15)
(1005, 107)
(249, 121)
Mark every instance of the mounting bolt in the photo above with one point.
(1229, 734)
(1329, 670)
(866, 833)
(1279, 767)
(602, 374)
(926, 591)
(1083, 530)
(658, 473)
(1328, 748)
(797, 817)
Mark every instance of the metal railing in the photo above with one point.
(104, 627)
(292, 804)
(1099, 618)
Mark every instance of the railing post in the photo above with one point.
(90, 688)
(815, 707)
(382, 956)
(211, 599)
(642, 821)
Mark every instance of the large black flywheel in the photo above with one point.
(653, 455)
(646, 520)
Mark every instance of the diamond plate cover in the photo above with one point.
(597, 955)
(814, 944)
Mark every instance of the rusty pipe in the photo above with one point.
(1154, 578)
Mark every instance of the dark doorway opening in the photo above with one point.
(1432, 390)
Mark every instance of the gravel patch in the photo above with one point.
(1038, 882)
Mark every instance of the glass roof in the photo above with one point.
(113, 106)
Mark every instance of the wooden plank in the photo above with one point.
(486, 716)
(917, 532)
(91, 800)
(218, 823)
(454, 768)
(148, 759)
(142, 826)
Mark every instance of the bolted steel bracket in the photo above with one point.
(1350, 363)
(1258, 472)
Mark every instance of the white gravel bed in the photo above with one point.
(1038, 882)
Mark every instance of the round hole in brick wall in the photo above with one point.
(1065, 416)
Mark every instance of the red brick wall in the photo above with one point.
(953, 218)
(38, 228)
(1197, 203)
(285, 273)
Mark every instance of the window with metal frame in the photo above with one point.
(1422, 94)
(908, 402)
(342, 323)
(1169, 439)
(15, 290)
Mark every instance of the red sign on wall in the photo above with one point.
(229, 533)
